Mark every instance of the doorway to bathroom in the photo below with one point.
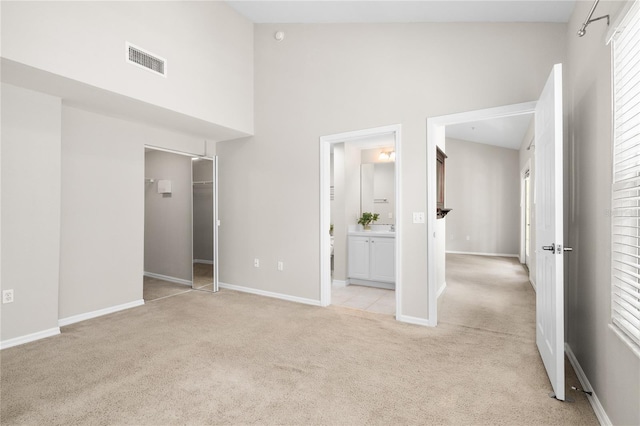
(360, 185)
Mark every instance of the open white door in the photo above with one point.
(549, 231)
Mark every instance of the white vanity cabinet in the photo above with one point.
(372, 259)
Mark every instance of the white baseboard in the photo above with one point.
(370, 283)
(584, 382)
(483, 254)
(167, 278)
(414, 320)
(270, 294)
(100, 312)
(441, 290)
(338, 283)
(29, 338)
(206, 262)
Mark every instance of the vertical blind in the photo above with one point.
(625, 243)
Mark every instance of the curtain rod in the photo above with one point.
(583, 30)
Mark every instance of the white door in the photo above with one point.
(549, 231)
(358, 253)
(383, 259)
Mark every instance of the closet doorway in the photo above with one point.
(180, 238)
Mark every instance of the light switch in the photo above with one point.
(418, 217)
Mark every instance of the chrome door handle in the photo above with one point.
(551, 248)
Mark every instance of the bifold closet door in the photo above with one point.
(205, 223)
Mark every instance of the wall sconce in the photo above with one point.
(387, 156)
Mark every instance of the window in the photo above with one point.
(625, 242)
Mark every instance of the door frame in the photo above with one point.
(436, 136)
(523, 209)
(216, 219)
(325, 206)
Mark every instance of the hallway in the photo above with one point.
(492, 296)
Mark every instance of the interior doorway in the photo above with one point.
(436, 241)
(548, 221)
(180, 232)
(346, 238)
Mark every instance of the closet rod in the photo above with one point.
(583, 29)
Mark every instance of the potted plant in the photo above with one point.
(366, 219)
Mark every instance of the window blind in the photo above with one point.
(625, 242)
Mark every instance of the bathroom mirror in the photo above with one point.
(377, 191)
(204, 201)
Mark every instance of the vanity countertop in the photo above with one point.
(387, 234)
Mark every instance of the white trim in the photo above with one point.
(339, 283)
(173, 151)
(270, 294)
(620, 21)
(100, 312)
(584, 382)
(325, 208)
(442, 288)
(167, 278)
(625, 339)
(533, 284)
(523, 210)
(414, 320)
(371, 283)
(204, 261)
(9, 343)
(435, 136)
(473, 253)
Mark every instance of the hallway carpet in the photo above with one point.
(233, 358)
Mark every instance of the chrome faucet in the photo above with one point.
(392, 228)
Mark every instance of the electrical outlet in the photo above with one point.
(256, 262)
(280, 265)
(7, 296)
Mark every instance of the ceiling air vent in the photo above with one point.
(143, 59)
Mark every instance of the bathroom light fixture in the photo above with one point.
(387, 156)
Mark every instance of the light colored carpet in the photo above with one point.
(233, 358)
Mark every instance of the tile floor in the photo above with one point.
(370, 299)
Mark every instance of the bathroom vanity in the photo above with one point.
(371, 260)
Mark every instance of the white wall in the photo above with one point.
(167, 217)
(30, 211)
(102, 241)
(208, 47)
(327, 79)
(483, 189)
(610, 365)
